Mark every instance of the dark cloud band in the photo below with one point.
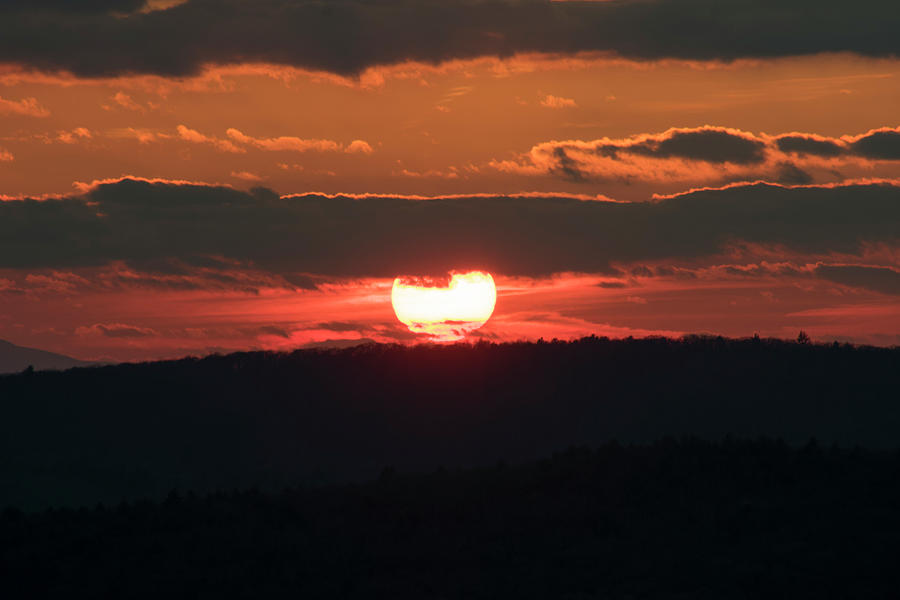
(771, 158)
(70, 7)
(878, 279)
(142, 222)
(347, 36)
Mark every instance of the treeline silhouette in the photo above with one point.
(312, 417)
(675, 519)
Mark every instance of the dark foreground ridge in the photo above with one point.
(686, 519)
(271, 420)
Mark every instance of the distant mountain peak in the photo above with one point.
(15, 358)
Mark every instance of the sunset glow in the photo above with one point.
(262, 189)
(446, 312)
(305, 268)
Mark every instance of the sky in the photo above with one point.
(218, 175)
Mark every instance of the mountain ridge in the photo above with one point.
(14, 358)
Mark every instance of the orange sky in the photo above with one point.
(427, 130)
(583, 124)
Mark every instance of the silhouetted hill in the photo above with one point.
(684, 519)
(328, 344)
(319, 416)
(17, 358)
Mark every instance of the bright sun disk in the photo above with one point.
(445, 312)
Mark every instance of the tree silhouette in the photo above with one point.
(271, 420)
(677, 518)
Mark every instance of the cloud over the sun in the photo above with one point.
(142, 222)
(116, 37)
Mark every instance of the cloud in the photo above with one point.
(879, 144)
(876, 144)
(347, 36)
(190, 135)
(787, 172)
(275, 330)
(805, 143)
(152, 5)
(73, 136)
(393, 331)
(709, 144)
(340, 326)
(116, 330)
(6, 155)
(382, 236)
(127, 102)
(451, 173)
(676, 154)
(284, 143)
(707, 153)
(24, 107)
(878, 279)
(296, 144)
(143, 136)
(551, 101)
(359, 147)
(204, 273)
(246, 176)
(54, 282)
(68, 7)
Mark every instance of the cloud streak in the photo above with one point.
(237, 141)
(296, 144)
(284, 143)
(116, 330)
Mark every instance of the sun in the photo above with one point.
(445, 310)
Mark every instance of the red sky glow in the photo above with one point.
(200, 197)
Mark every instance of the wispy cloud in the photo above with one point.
(24, 107)
(551, 101)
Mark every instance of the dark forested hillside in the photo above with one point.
(686, 519)
(324, 416)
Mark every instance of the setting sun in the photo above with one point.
(444, 310)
